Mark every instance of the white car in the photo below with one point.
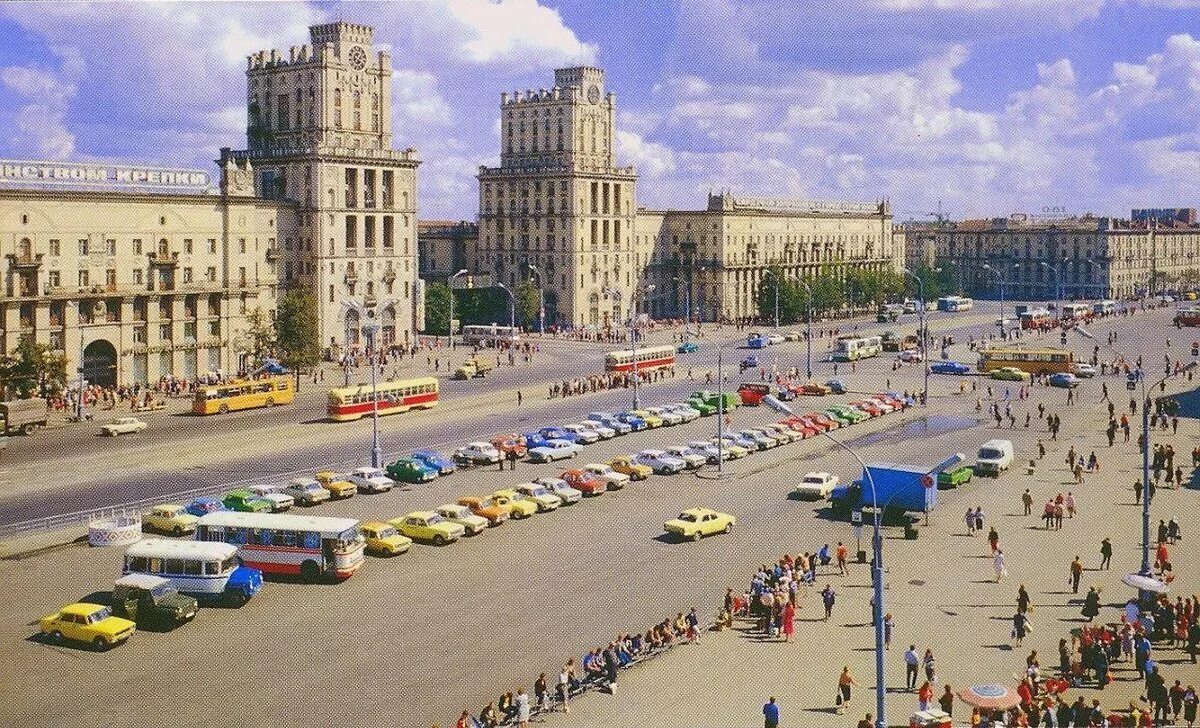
(307, 491)
(692, 459)
(539, 494)
(608, 419)
(1083, 369)
(122, 426)
(668, 417)
(687, 413)
(274, 495)
(479, 453)
(910, 356)
(463, 516)
(882, 404)
(708, 449)
(559, 487)
(604, 431)
(612, 479)
(660, 462)
(910, 307)
(555, 450)
(583, 435)
(782, 434)
(776, 339)
(760, 438)
(370, 480)
(816, 485)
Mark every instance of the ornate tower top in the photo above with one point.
(341, 32)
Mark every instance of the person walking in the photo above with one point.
(889, 627)
(845, 682)
(1105, 553)
(1076, 574)
(522, 704)
(1022, 599)
(993, 539)
(998, 565)
(1027, 500)
(911, 661)
(828, 597)
(930, 665)
(1020, 627)
(541, 693)
(789, 621)
(946, 702)
(970, 521)
(924, 696)
(771, 714)
(564, 685)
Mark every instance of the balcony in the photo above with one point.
(272, 255)
(170, 259)
(28, 262)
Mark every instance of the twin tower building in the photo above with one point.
(138, 274)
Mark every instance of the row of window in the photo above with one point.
(109, 246)
(179, 567)
(138, 277)
(259, 537)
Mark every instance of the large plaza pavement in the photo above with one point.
(413, 639)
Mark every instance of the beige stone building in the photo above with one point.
(152, 272)
(716, 258)
(1094, 257)
(558, 202)
(442, 247)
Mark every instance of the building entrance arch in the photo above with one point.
(100, 363)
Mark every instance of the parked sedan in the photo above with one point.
(1064, 379)
(692, 459)
(731, 447)
(603, 431)
(660, 462)
(478, 453)
(170, 518)
(245, 501)
(204, 505)
(813, 388)
(433, 459)
(410, 470)
(383, 539)
(635, 471)
(274, 495)
(306, 491)
(695, 523)
(374, 480)
(709, 450)
(560, 488)
(582, 435)
(666, 415)
(460, 514)
(612, 479)
(760, 438)
(540, 495)
(584, 482)
(91, 624)
(519, 505)
(122, 426)
(428, 526)
(688, 414)
(554, 450)
(949, 367)
(486, 507)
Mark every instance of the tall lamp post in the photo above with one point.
(876, 565)
(808, 326)
(773, 274)
(368, 314)
(512, 307)
(1140, 378)
(924, 332)
(633, 314)
(1000, 280)
(450, 285)
(541, 299)
(1058, 287)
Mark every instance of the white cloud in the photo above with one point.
(504, 31)
(651, 159)
(415, 98)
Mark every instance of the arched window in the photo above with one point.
(25, 249)
(358, 111)
(337, 108)
(163, 247)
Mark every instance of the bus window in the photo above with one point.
(154, 566)
(236, 536)
(284, 538)
(311, 540)
(174, 566)
(229, 564)
(212, 568)
(139, 563)
(192, 568)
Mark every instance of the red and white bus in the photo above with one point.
(402, 395)
(1038, 319)
(312, 547)
(1077, 312)
(1189, 316)
(651, 357)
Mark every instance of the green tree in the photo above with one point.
(260, 336)
(527, 300)
(828, 293)
(297, 341)
(33, 369)
(437, 309)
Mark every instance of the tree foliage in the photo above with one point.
(437, 309)
(527, 305)
(32, 369)
(941, 281)
(297, 340)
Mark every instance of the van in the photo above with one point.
(995, 456)
(473, 367)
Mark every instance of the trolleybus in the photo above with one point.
(1033, 361)
(853, 348)
(242, 394)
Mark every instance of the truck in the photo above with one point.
(901, 489)
(22, 415)
(474, 367)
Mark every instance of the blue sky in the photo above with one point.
(990, 106)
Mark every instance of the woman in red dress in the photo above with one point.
(789, 622)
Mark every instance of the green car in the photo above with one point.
(704, 408)
(407, 470)
(246, 501)
(849, 413)
(954, 478)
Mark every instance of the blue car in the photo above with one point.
(435, 460)
(749, 362)
(1064, 379)
(836, 386)
(637, 423)
(557, 433)
(201, 506)
(687, 347)
(949, 367)
(535, 439)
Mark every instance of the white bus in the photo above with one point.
(207, 571)
(476, 334)
(1076, 312)
(853, 348)
(279, 543)
(1104, 308)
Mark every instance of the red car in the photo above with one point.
(509, 443)
(823, 420)
(752, 393)
(584, 482)
(869, 407)
(813, 388)
(798, 424)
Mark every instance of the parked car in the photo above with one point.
(603, 431)
(409, 470)
(692, 459)
(626, 464)
(484, 453)
(943, 366)
(152, 602)
(660, 462)
(687, 347)
(122, 426)
(582, 435)
(911, 356)
(560, 488)
(433, 459)
(339, 486)
(463, 516)
(558, 433)
(170, 518)
(374, 480)
(749, 362)
(519, 505)
(813, 388)
(274, 495)
(610, 420)
(245, 501)
(428, 526)
(583, 481)
(307, 491)
(709, 450)
(836, 386)
(652, 420)
(540, 495)
(485, 507)
(688, 414)
(696, 523)
(554, 450)
(510, 443)
(92, 624)
(1064, 379)
(383, 539)
(1083, 369)
(205, 504)
(1010, 374)
(816, 485)
(612, 479)
(760, 438)
(955, 477)
(732, 448)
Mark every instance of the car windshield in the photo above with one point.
(99, 614)
(385, 532)
(487, 503)
(689, 517)
(989, 453)
(161, 591)
(435, 518)
(813, 479)
(449, 512)
(538, 491)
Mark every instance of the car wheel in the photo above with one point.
(309, 571)
(270, 401)
(99, 644)
(177, 531)
(223, 409)
(56, 637)
(439, 540)
(696, 536)
(235, 598)
(728, 528)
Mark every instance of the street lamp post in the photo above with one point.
(512, 308)
(876, 565)
(808, 326)
(1058, 286)
(1000, 279)
(450, 285)
(541, 300)
(924, 333)
(368, 313)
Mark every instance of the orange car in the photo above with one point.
(486, 507)
(584, 482)
(510, 443)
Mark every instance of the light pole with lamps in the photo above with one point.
(512, 308)
(541, 299)
(450, 285)
(1000, 279)
(1058, 287)
(808, 307)
(368, 314)
(924, 332)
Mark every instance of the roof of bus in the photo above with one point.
(1011, 349)
(277, 520)
(643, 350)
(164, 548)
(238, 383)
(395, 382)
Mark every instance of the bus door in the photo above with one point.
(327, 547)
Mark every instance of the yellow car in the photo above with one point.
(734, 450)
(695, 523)
(170, 518)
(92, 624)
(460, 514)
(336, 484)
(518, 505)
(635, 471)
(1011, 374)
(428, 526)
(384, 539)
(652, 420)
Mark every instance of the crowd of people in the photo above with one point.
(608, 380)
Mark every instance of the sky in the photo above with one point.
(984, 107)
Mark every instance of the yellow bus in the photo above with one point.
(1033, 361)
(242, 394)
(356, 402)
